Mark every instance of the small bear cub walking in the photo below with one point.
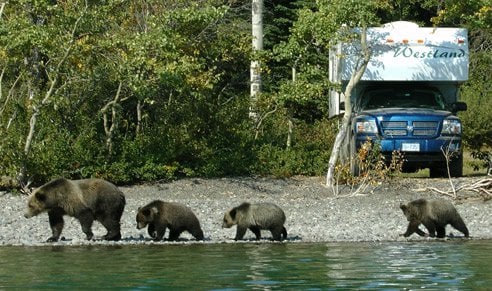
(256, 217)
(434, 215)
(159, 215)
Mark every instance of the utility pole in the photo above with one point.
(257, 32)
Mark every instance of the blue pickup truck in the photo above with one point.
(407, 99)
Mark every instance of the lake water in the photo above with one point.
(450, 265)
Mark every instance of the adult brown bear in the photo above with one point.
(159, 215)
(87, 200)
(256, 217)
(434, 215)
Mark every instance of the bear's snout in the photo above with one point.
(31, 212)
(141, 225)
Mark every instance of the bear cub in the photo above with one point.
(434, 215)
(87, 200)
(159, 215)
(256, 217)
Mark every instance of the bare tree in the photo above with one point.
(359, 70)
(53, 79)
(111, 126)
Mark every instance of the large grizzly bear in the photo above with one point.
(87, 200)
(434, 215)
(159, 215)
(256, 217)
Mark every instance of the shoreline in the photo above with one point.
(314, 215)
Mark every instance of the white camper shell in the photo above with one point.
(403, 51)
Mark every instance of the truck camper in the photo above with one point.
(407, 99)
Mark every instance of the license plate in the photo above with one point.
(410, 147)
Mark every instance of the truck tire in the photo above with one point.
(456, 166)
(438, 171)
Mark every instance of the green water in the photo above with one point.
(265, 266)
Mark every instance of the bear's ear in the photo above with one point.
(40, 196)
(403, 206)
(232, 213)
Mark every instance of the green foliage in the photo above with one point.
(476, 93)
(472, 13)
(153, 90)
(477, 119)
(282, 162)
(308, 155)
(485, 158)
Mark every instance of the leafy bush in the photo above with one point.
(308, 155)
(151, 171)
(373, 166)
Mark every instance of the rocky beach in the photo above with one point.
(314, 213)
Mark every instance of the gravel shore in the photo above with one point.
(314, 213)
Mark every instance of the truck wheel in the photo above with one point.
(354, 162)
(438, 171)
(456, 166)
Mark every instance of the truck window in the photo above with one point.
(375, 98)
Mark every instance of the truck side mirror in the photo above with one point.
(458, 106)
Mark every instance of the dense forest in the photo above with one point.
(144, 90)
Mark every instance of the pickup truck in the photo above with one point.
(407, 99)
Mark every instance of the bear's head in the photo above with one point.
(38, 202)
(229, 218)
(233, 216)
(47, 197)
(411, 210)
(404, 208)
(145, 216)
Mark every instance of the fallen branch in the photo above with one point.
(483, 187)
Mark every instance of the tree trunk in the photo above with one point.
(257, 33)
(110, 126)
(359, 70)
(139, 118)
(2, 6)
(289, 133)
